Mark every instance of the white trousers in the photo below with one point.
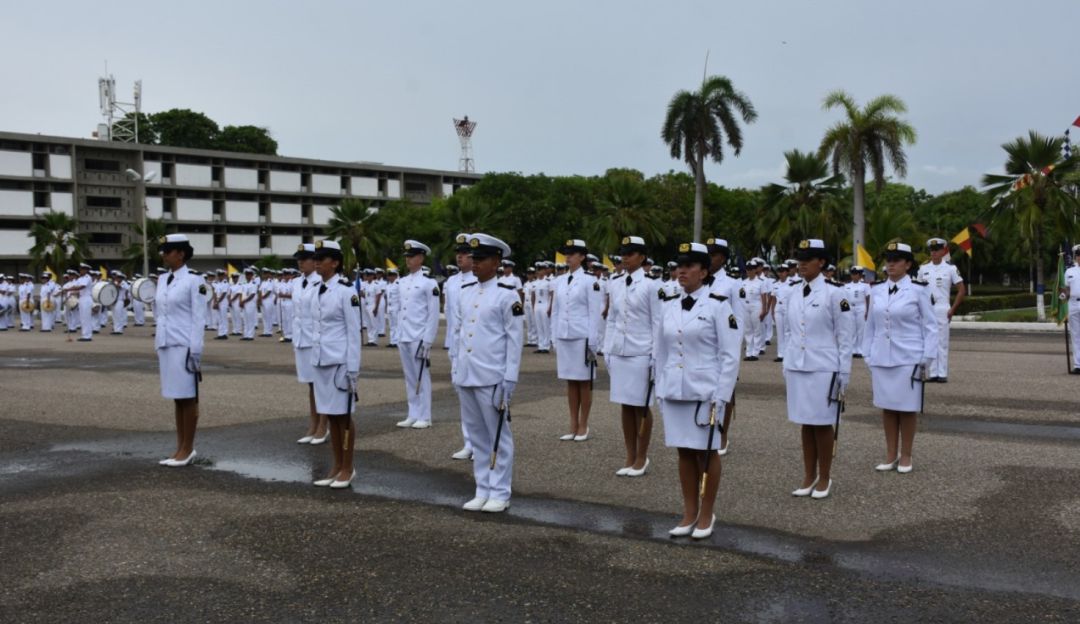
(86, 317)
(939, 366)
(752, 334)
(781, 329)
(860, 326)
(48, 319)
(543, 328)
(119, 316)
(1074, 330)
(223, 319)
(380, 320)
(481, 418)
(26, 319)
(530, 318)
(286, 318)
(391, 316)
(138, 309)
(767, 328)
(251, 319)
(419, 402)
(268, 319)
(237, 318)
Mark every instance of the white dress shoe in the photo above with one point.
(317, 441)
(582, 437)
(494, 505)
(166, 462)
(340, 485)
(822, 493)
(633, 472)
(904, 469)
(475, 504)
(421, 424)
(805, 491)
(682, 531)
(179, 463)
(405, 424)
(703, 533)
(887, 467)
(464, 453)
(621, 472)
(304, 440)
(567, 437)
(323, 482)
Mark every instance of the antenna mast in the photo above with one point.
(464, 129)
(121, 118)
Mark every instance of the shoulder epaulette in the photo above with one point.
(506, 286)
(717, 297)
(793, 282)
(345, 281)
(880, 281)
(833, 282)
(920, 282)
(470, 284)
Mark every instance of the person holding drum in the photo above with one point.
(180, 314)
(899, 342)
(47, 298)
(26, 302)
(123, 300)
(334, 309)
(81, 287)
(696, 362)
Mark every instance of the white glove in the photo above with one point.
(424, 351)
(196, 361)
(845, 379)
(507, 391)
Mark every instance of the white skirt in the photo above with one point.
(176, 381)
(808, 397)
(332, 396)
(893, 389)
(682, 429)
(570, 360)
(304, 374)
(629, 379)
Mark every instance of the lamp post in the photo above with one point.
(140, 181)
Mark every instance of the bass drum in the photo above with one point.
(105, 294)
(72, 302)
(144, 289)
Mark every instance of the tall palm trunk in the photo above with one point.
(1040, 301)
(858, 186)
(699, 193)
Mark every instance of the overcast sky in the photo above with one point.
(557, 87)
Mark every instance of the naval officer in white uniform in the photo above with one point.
(1070, 294)
(180, 317)
(941, 276)
(722, 284)
(899, 344)
(417, 324)
(486, 356)
(304, 289)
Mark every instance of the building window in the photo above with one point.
(98, 164)
(105, 238)
(97, 201)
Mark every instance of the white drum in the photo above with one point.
(72, 302)
(105, 293)
(144, 289)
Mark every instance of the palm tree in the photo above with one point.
(350, 224)
(56, 241)
(888, 224)
(866, 139)
(155, 229)
(1033, 193)
(622, 209)
(806, 207)
(698, 124)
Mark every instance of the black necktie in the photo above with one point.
(569, 279)
(322, 288)
(806, 290)
(687, 303)
(168, 282)
(304, 285)
(892, 290)
(629, 280)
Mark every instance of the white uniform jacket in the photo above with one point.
(697, 350)
(418, 313)
(486, 349)
(335, 324)
(305, 289)
(940, 278)
(577, 307)
(726, 286)
(856, 293)
(901, 328)
(820, 327)
(633, 313)
(180, 311)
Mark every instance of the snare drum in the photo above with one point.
(144, 289)
(105, 293)
(72, 302)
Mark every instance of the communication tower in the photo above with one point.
(121, 118)
(464, 129)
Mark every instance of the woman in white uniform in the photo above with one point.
(180, 315)
(304, 289)
(575, 310)
(335, 358)
(900, 341)
(817, 363)
(633, 311)
(696, 351)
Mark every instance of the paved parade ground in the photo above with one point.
(986, 527)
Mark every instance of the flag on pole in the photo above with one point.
(864, 258)
(389, 264)
(608, 263)
(981, 229)
(230, 269)
(104, 272)
(1077, 122)
(52, 274)
(963, 241)
(1060, 309)
(560, 258)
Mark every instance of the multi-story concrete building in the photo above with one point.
(234, 206)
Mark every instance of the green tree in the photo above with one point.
(351, 225)
(866, 138)
(1033, 195)
(271, 261)
(623, 208)
(887, 224)
(807, 206)
(697, 125)
(249, 139)
(56, 242)
(180, 127)
(155, 229)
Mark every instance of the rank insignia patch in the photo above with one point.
(844, 305)
(202, 289)
(732, 323)
(356, 301)
(517, 309)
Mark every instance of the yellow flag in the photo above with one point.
(52, 274)
(560, 258)
(104, 273)
(608, 263)
(389, 264)
(230, 269)
(864, 259)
